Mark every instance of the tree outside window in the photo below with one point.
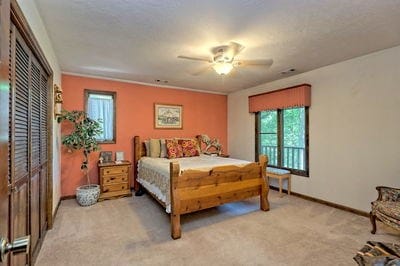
(283, 135)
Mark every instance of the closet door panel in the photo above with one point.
(35, 154)
(35, 115)
(21, 112)
(20, 214)
(43, 200)
(43, 152)
(35, 211)
(19, 135)
(44, 120)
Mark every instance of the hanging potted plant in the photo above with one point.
(83, 138)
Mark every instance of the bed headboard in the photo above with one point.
(138, 151)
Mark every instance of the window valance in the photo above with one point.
(295, 96)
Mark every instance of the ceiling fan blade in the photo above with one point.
(235, 73)
(229, 51)
(205, 59)
(235, 48)
(201, 71)
(255, 62)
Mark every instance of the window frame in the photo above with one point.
(306, 172)
(113, 94)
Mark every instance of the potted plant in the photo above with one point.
(83, 138)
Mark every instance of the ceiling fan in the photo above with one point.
(223, 59)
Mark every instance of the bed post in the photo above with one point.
(264, 204)
(136, 157)
(175, 201)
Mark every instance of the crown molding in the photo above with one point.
(141, 83)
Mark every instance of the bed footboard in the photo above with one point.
(195, 190)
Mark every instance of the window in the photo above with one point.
(283, 136)
(100, 105)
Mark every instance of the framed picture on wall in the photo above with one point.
(167, 116)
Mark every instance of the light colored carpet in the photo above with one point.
(136, 230)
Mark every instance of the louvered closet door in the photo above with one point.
(35, 154)
(38, 152)
(19, 118)
(43, 150)
(29, 146)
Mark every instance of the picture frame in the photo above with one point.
(119, 156)
(168, 116)
(106, 156)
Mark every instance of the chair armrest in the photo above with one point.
(388, 193)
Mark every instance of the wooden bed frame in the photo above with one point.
(195, 190)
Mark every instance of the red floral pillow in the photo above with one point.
(190, 147)
(174, 149)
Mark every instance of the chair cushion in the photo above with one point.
(277, 171)
(388, 208)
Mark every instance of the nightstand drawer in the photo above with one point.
(114, 187)
(115, 170)
(111, 179)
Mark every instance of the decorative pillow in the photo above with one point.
(147, 146)
(163, 148)
(190, 147)
(154, 148)
(174, 150)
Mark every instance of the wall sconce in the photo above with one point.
(57, 100)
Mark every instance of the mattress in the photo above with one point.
(153, 173)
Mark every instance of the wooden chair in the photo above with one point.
(386, 208)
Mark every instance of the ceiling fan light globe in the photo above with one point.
(223, 68)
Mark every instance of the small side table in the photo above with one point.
(115, 180)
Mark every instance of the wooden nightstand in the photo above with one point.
(114, 180)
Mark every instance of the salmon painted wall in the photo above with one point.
(203, 113)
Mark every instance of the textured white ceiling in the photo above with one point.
(139, 40)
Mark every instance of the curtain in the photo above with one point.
(296, 96)
(102, 109)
